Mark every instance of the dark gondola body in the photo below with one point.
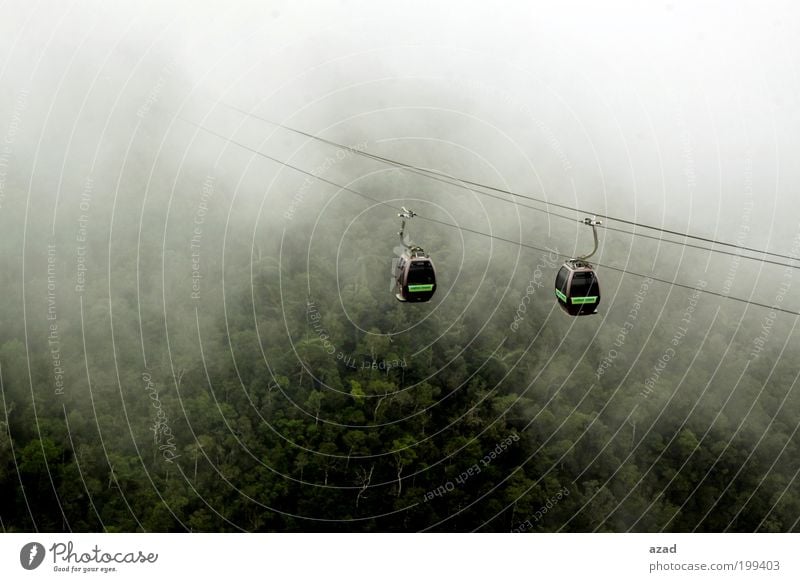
(578, 288)
(415, 277)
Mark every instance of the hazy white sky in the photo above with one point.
(675, 112)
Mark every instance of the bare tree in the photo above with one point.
(364, 479)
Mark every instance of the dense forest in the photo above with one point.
(286, 389)
(195, 338)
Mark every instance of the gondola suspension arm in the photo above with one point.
(594, 224)
(405, 214)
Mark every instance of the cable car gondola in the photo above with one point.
(415, 276)
(577, 284)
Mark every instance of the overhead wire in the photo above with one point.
(480, 188)
(481, 233)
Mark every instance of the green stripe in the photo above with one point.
(416, 288)
(561, 296)
(582, 300)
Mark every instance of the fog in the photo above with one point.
(657, 114)
(157, 224)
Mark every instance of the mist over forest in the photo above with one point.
(198, 327)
